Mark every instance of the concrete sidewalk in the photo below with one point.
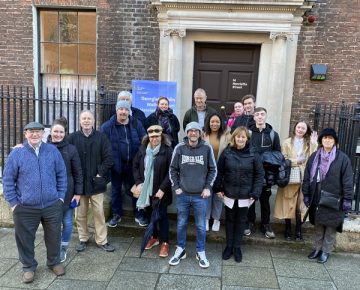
(276, 266)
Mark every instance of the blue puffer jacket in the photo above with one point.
(34, 182)
(125, 140)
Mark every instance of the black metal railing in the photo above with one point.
(345, 119)
(19, 106)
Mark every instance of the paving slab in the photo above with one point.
(287, 253)
(145, 265)
(12, 278)
(345, 278)
(252, 257)
(249, 277)
(6, 264)
(301, 269)
(226, 287)
(288, 283)
(187, 282)
(132, 280)
(77, 284)
(343, 261)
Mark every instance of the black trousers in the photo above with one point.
(27, 221)
(265, 207)
(235, 223)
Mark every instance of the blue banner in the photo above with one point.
(146, 93)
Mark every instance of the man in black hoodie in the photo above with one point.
(263, 138)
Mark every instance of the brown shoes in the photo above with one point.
(28, 277)
(58, 270)
(151, 243)
(164, 250)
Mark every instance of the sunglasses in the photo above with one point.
(154, 131)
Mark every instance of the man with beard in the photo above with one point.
(125, 134)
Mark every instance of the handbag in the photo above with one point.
(295, 175)
(330, 200)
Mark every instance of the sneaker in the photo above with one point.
(207, 225)
(250, 230)
(28, 277)
(81, 246)
(63, 251)
(267, 231)
(107, 247)
(142, 222)
(151, 243)
(114, 221)
(180, 254)
(164, 250)
(216, 226)
(201, 257)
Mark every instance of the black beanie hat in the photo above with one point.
(328, 132)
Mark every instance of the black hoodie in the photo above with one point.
(261, 140)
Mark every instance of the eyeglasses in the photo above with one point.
(154, 131)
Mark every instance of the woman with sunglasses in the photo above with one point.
(74, 179)
(151, 175)
(217, 134)
(165, 117)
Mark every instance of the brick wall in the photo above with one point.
(333, 39)
(127, 40)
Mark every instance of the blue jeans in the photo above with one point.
(125, 178)
(199, 204)
(67, 223)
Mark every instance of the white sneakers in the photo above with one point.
(203, 261)
(207, 225)
(216, 226)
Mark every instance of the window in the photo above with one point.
(68, 54)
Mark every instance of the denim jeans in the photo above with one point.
(199, 204)
(67, 223)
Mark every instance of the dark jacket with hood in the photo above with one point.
(338, 181)
(153, 119)
(125, 140)
(161, 171)
(193, 168)
(73, 169)
(240, 173)
(95, 155)
(246, 121)
(261, 141)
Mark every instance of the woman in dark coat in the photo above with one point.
(74, 179)
(239, 181)
(328, 172)
(151, 175)
(165, 117)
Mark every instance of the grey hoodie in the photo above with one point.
(192, 168)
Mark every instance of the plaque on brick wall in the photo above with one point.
(146, 93)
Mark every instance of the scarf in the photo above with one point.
(232, 119)
(325, 160)
(147, 188)
(164, 119)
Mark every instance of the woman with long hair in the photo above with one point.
(165, 117)
(328, 191)
(74, 179)
(217, 134)
(239, 183)
(151, 174)
(289, 200)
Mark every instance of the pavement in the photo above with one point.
(275, 264)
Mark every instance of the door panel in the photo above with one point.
(226, 72)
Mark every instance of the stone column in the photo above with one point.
(277, 76)
(175, 56)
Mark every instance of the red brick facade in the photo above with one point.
(333, 39)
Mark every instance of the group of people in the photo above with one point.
(219, 162)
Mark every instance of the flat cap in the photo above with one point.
(34, 126)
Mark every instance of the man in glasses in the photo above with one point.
(125, 134)
(192, 174)
(35, 183)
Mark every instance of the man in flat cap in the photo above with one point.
(34, 185)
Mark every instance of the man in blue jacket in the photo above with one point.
(125, 134)
(35, 183)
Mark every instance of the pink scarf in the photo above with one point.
(325, 161)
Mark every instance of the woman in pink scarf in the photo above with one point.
(238, 111)
(328, 176)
